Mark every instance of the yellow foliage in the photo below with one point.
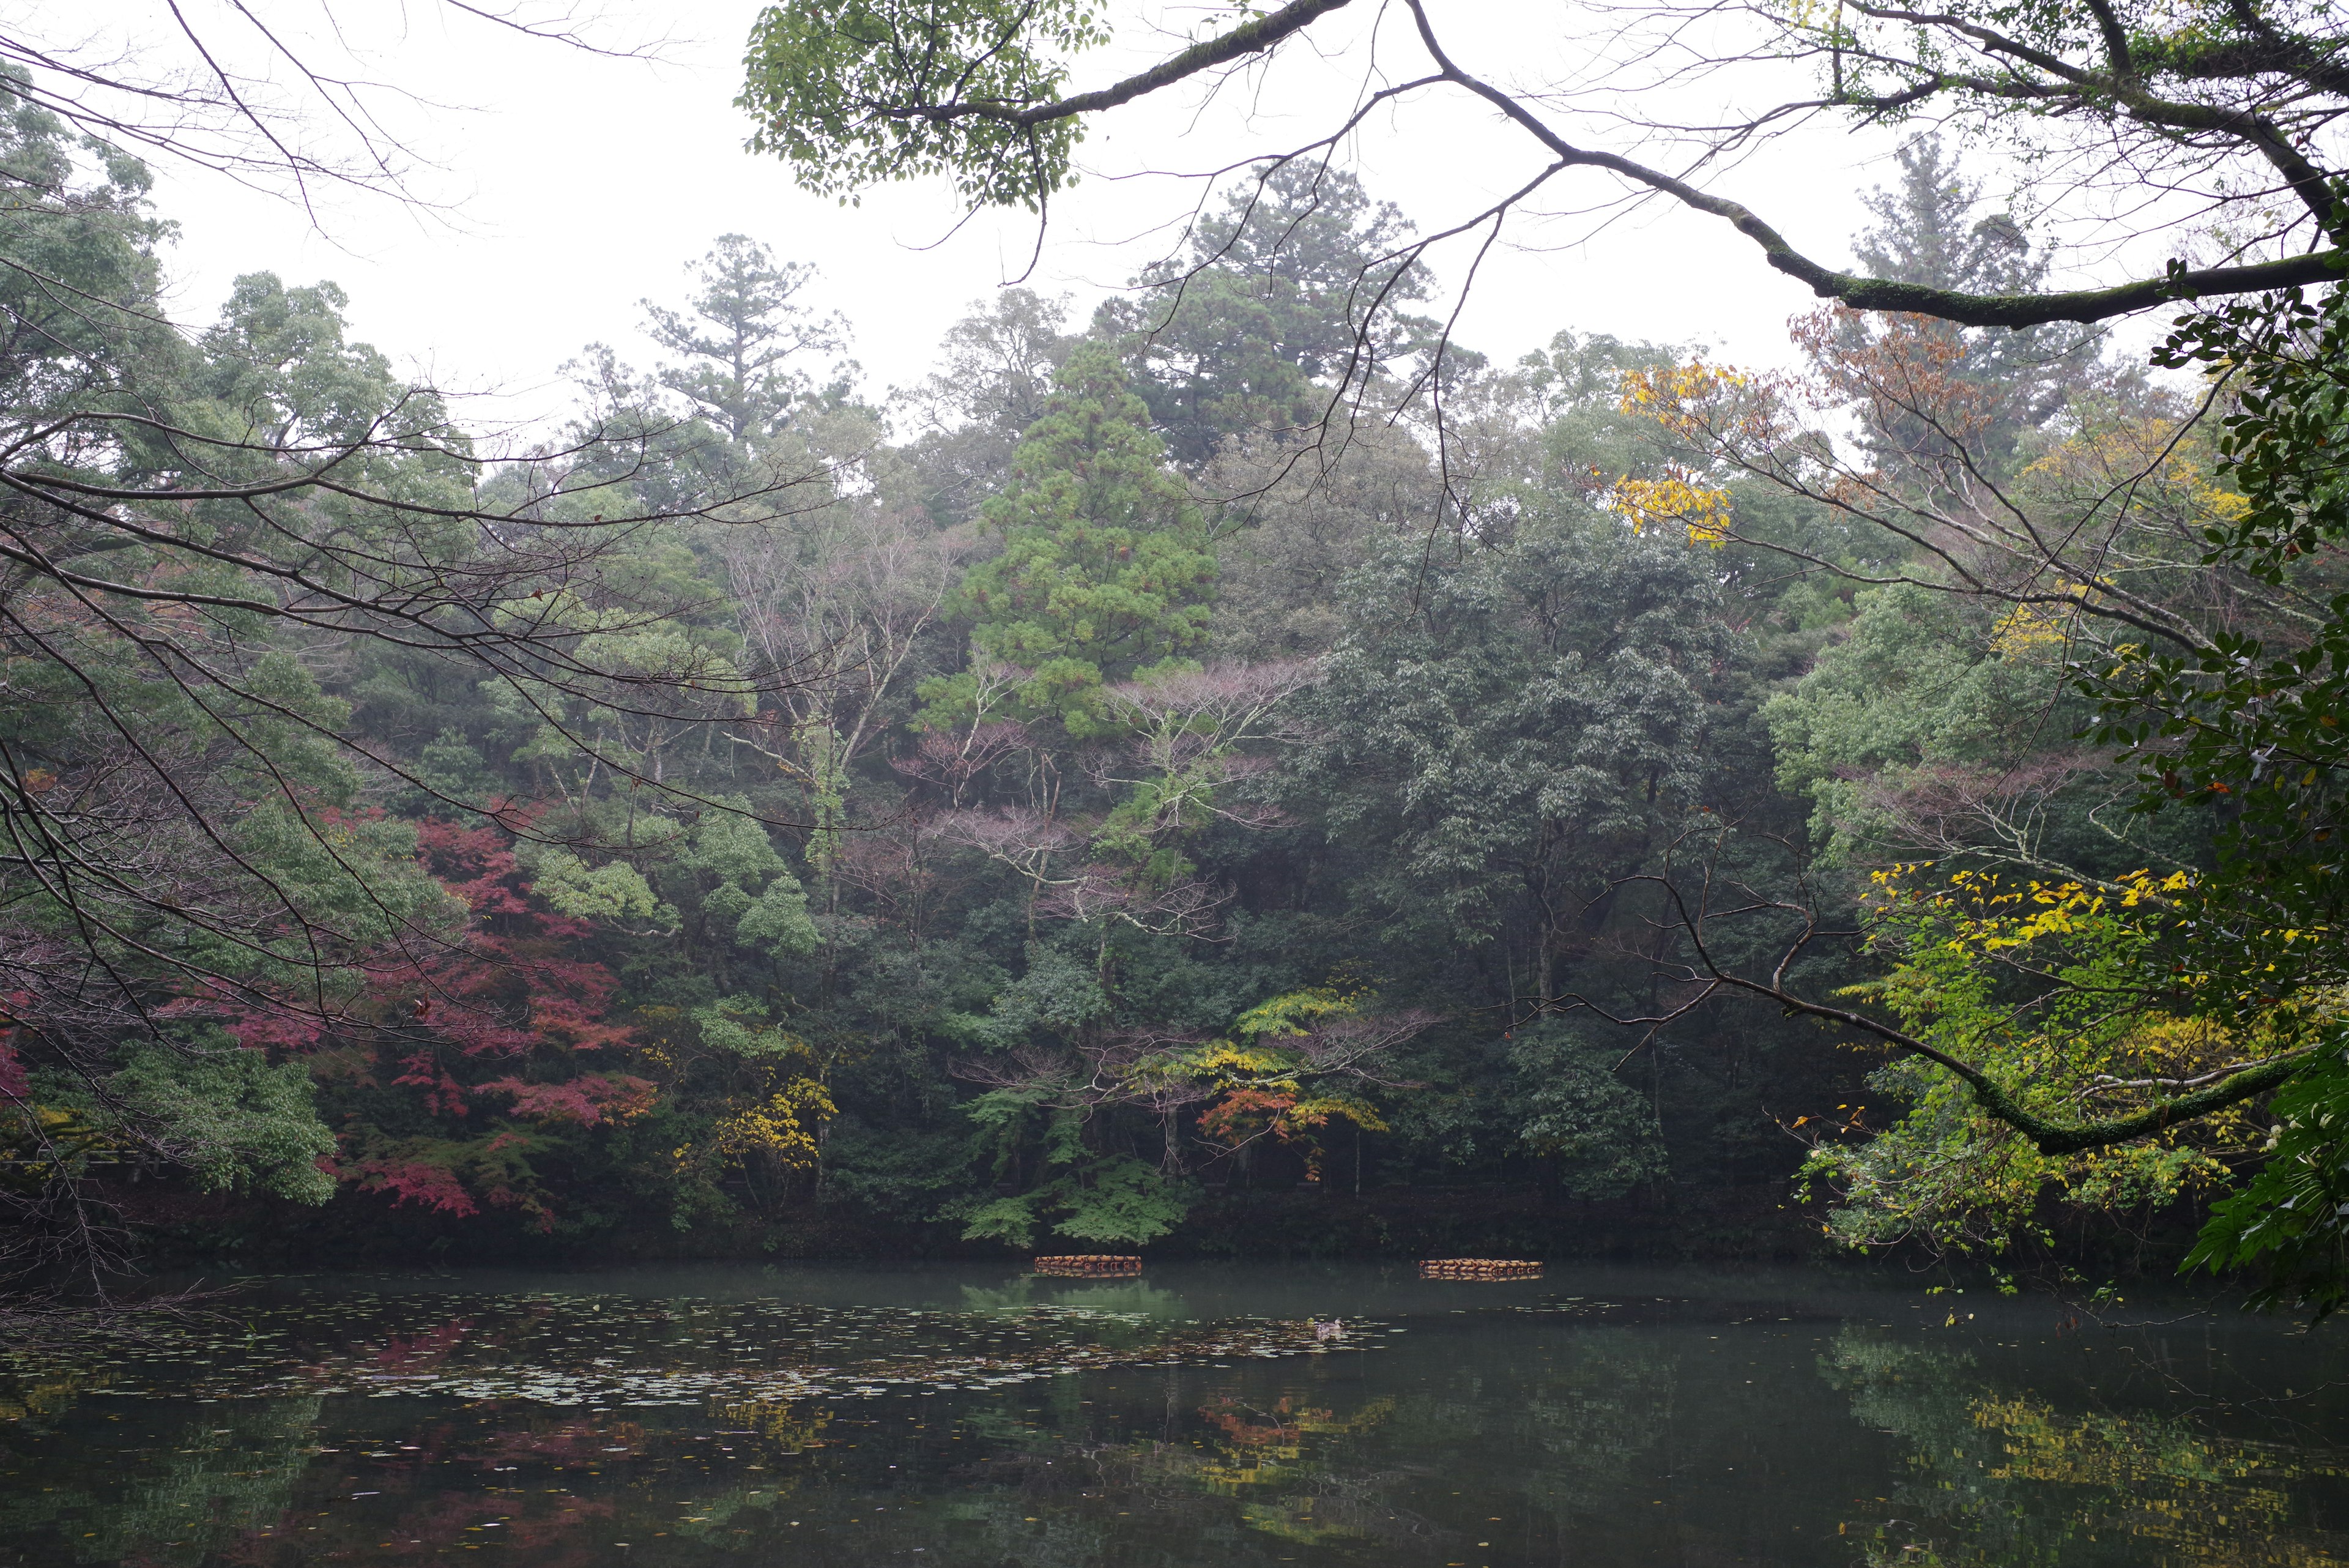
(782, 1126)
(1668, 396)
(2026, 629)
(50, 1399)
(1703, 508)
(792, 1427)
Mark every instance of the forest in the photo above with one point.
(1237, 772)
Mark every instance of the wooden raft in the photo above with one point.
(1091, 1266)
(1479, 1269)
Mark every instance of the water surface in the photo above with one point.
(954, 1415)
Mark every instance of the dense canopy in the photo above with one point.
(1118, 794)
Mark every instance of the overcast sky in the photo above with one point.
(573, 186)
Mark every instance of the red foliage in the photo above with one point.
(588, 1099)
(512, 998)
(418, 1182)
(418, 1352)
(276, 1030)
(443, 1096)
(510, 988)
(562, 1445)
(1234, 1118)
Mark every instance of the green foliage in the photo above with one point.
(739, 338)
(1924, 707)
(1058, 967)
(226, 1115)
(896, 1175)
(778, 923)
(2246, 726)
(739, 1026)
(1910, 688)
(279, 367)
(2065, 995)
(615, 891)
(874, 91)
(2290, 1222)
(1574, 1109)
(731, 843)
(1520, 715)
(1105, 571)
(1103, 1200)
(1287, 299)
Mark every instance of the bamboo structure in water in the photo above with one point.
(1089, 1266)
(1479, 1269)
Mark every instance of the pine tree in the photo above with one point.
(740, 336)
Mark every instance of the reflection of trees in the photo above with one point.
(1234, 1474)
(1574, 1424)
(2015, 1479)
(742, 1509)
(1288, 1465)
(1594, 1415)
(1326, 1462)
(36, 1400)
(790, 1427)
(230, 1473)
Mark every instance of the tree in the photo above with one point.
(1285, 301)
(1105, 571)
(997, 365)
(741, 336)
(1927, 234)
(1295, 523)
(1576, 1111)
(2068, 993)
(1933, 730)
(195, 532)
(839, 607)
(2196, 620)
(997, 376)
(2230, 103)
(1523, 719)
(1287, 1068)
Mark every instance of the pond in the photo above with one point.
(962, 1415)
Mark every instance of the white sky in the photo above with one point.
(577, 185)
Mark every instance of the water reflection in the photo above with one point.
(845, 1418)
(1986, 1459)
(207, 1484)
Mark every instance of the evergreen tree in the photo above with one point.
(740, 337)
(80, 313)
(1105, 571)
(1285, 295)
(1520, 722)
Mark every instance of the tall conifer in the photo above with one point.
(1105, 572)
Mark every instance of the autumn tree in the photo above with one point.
(206, 533)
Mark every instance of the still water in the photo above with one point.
(961, 1416)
